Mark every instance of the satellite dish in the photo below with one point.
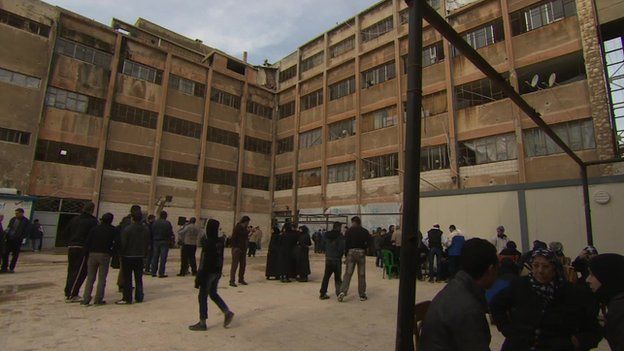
(551, 79)
(534, 81)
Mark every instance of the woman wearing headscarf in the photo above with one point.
(543, 312)
(581, 263)
(606, 279)
(208, 274)
(303, 254)
(288, 241)
(272, 265)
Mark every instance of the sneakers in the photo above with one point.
(363, 298)
(232, 284)
(123, 302)
(199, 326)
(73, 299)
(324, 297)
(101, 303)
(341, 297)
(229, 315)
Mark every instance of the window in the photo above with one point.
(69, 154)
(484, 35)
(540, 15)
(564, 69)
(283, 181)
(342, 88)
(182, 127)
(22, 23)
(288, 73)
(83, 53)
(310, 177)
(312, 100)
(14, 136)
(259, 109)
(287, 110)
(342, 129)
(67, 100)
(343, 172)
(578, 135)
(257, 145)
(236, 66)
(48, 204)
(222, 136)
(379, 119)
(220, 176)
(142, 72)
(178, 170)
(486, 150)
(477, 93)
(187, 86)
(380, 166)
(252, 181)
(312, 61)
(18, 79)
(378, 75)
(134, 115)
(124, 162)
(434, 157)
(614, 59)
(224, 98)
(342, 47)
(311, 138)
(378, 29)
(285, 145)
(434, 103)
(431, 55)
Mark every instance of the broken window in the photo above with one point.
(220, 176)
(484, 35)
(342, 47)
(225, 98)
(222, 136)
(259, 109)
(142, 72)
(378, 75)
(253, 181)
(380, 166)
(312, 61)
(182, 127)
(383, 118)
(257, 145)
(486, 150)
(544, 13)
(310, 177)
(68, 100)
(69, 154)
(614, 59)
(178, 170)
(578, 135)
(312, 100)
(546, 74)
(342, 129)
(14, 136)
(311, 138)
(478, 92)
(187, 86)
(83, 53)
(23, 23)
(124, 162)
(286, 110)
(431, 55)
(18, 79)
(433, 158)
(236, 66)
(285, 145)
(342, 88)
(134, 115)
(283, 181)
(288, 73)
(378, 29)
(343, 172)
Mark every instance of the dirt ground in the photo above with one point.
(269, 315)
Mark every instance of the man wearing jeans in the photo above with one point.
(77, 231)
(434, 240)
(357, 240)
(162, 232)
(98, 248)
(334, 250)
(134, 243)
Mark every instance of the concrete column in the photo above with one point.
(399, 103)
(450, 102)
(325, 129)
(241, 152)
(295, 205)
(204, 143)
(358, 118)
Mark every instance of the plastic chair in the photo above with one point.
(389, 264)
(420, 311)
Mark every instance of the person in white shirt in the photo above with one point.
(500, 240)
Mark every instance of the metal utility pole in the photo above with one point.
(411, 181)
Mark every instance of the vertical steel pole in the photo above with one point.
(588, 219)
(411, 180)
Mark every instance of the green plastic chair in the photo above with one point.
(389, 264)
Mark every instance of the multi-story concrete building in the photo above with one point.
(133, 113)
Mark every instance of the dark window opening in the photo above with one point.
(380, 166)
(286, 110)
(312, 100)
(225, 98)
(134, 115)
(542, 14)
(252, 181)
(478, 92)
(220, 176)
(487, 150)
(222, 136)
(124, 162)
(433, 158)
(546, 74)
(23, 23)
(342, 129)
(182, 127)
(257, 145)
(178, 170)
(69, 154)
(236, 66)
(288, 73)
(578, 135)
(14, 136)
(283, 181)
(285, 145)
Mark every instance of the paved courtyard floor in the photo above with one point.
(269, 315)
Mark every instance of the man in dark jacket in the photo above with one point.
(15, 233)
(134, 243)
(456, 318)
(356, 243)
(334, 250)
(162, 232)
(99, 248)
(77, 231)
(434, 241)
(240, 239)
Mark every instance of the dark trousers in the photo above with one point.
(378, 259)
(160, 250)
(453, 265)
(36, 243)
(332, 267)
(238, 258)
(76, 271)
(147, 261)
(435, 255)
(252, 249)
(208, 288)
(188, 258)
(132, 266)
(12, 248)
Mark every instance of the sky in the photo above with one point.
(266, 29)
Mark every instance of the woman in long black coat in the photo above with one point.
(302, 252)
(272, 265)
(287, 264)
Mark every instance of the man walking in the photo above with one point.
(434, 241)
(187, 237)
(162, 232)
(357, 239)
(15, 233)
(99, 248)
(77, 231)
(147, 262)
(334, 250)
(240, 238)
(134, 242)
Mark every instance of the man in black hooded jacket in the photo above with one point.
(334, 250)
(77, 231)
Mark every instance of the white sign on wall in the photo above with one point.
(8, 205)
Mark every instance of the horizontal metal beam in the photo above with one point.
(603, 162)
